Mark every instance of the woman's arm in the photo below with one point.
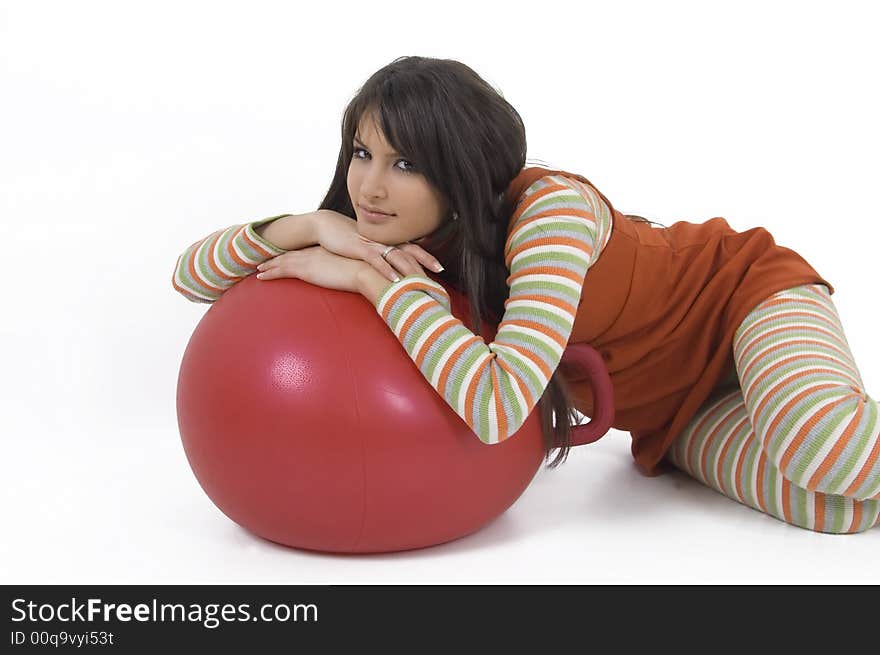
(289, 231)
(558, 231)
(209, 267)
(371, 284)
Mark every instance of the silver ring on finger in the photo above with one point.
(386, 251)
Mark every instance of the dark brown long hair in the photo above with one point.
(469, 143)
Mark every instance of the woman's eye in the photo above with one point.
(410, 166)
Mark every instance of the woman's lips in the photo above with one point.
(374, 216)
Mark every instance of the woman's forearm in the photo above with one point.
(291, 232)
(371, 283)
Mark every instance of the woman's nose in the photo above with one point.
(373, 183)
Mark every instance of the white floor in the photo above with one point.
(112, 164)
(123, 507)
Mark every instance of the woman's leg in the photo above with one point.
(800, 440)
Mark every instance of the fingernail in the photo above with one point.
(397, 279)
(439, 268)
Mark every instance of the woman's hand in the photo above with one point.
(337, 233)
(316, 266)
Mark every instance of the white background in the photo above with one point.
(130, 130)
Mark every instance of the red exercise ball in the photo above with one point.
(306, 422)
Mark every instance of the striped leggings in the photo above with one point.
(793, 433)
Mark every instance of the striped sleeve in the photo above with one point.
(557, 231)
(210, 266)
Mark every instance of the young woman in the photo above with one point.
(726, 354)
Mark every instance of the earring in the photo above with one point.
(454, 216)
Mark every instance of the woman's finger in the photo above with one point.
(422, 256)
(406, 263)
(396, 263)
(274, 261)
(276, 267)
(410, 264)
(384, 267)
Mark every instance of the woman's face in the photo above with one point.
(379, 178)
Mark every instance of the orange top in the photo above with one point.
(661, 305)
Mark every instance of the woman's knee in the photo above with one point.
(833, 450)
